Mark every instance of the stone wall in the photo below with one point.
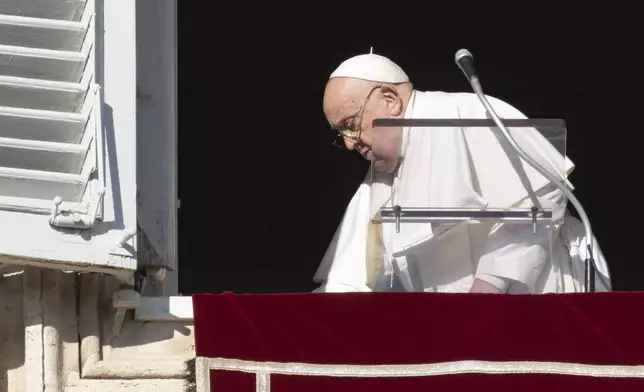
(59, 331)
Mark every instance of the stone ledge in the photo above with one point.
(139, 369)
(158, 385)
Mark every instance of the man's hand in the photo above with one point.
(480, 286)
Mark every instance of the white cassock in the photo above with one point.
(451, 168)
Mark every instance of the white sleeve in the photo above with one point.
(514, 253)
(343, 267)
(503, 284)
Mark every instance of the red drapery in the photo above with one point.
(454, 341)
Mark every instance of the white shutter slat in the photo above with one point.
(48, 126)
(67, 10)
(41, 184)
(42, 33)
(37, 155)
(41, 94)
(58, 66)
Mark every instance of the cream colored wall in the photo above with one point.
(57, 333)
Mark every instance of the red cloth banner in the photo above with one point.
(420, 341)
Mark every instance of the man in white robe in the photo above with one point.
(452, 168)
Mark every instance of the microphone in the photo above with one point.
(465, 62)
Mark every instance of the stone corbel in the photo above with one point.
(124, 299)
(107, 299)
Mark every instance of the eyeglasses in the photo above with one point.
(349, 131)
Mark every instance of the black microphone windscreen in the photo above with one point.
(465, 62)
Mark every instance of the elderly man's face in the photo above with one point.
(351, 105)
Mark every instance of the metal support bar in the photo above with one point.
(590, 272)
(399, 214)
(468, 122)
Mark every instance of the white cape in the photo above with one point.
(461, 167)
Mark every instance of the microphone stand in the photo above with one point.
(590, 264)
